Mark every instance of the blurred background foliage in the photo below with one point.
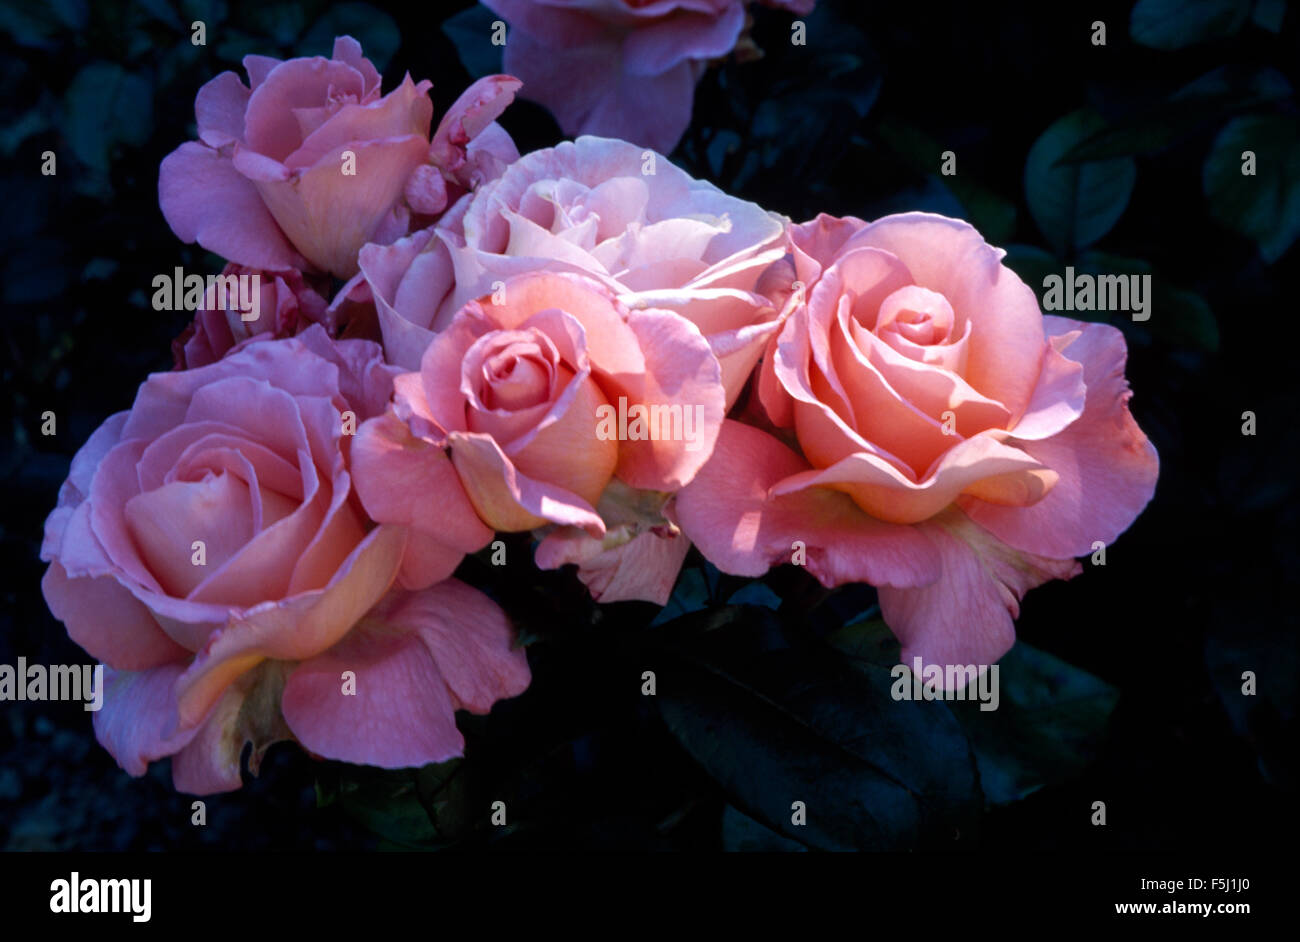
(1126, 684)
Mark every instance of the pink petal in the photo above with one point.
(139, 706)
(682, 379)
(643, 568)
(659, 46)
(409, 279)
(509, 500)
(950, 257)
(470, 638)
(1060, 395)
(553, 23)
(329, 215)
(400, 716)
(822, 238)
(291, 629)
(965, 616)
(729, 513)
(647, 110)
(269, 124)
(404, 480)
(248, 712)
(417, 658)
(219, 110)
(165, 522)
(885, 492)
(347, 49)
(1107, 468)
(476, 108)
(258, 68)
(107, 621)
(405, 110)
(206, 200)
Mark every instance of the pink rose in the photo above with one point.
(536, 394)
(620, 68)
(627, 217)
(286, 304)
(310, 161)
(958, 448)
(207, 546)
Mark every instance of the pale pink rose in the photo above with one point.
(958, 447)
(287, 303)
(535, 393)
(310, 161)
(625, 216)
(209, 549)
(621, 68)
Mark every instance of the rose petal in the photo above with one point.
(206, 200)
(731, 514)
(1107, 468)
(965, 616)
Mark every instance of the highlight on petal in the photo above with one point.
(732, 513)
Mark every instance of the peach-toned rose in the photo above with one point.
(958, 448)
(207, 546)
(535, 392)
(310, 161)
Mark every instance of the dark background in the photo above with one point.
(853, 123)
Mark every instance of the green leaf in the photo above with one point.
(29, 24)
(284, 23)
(1173, 24)
(386, 803)
(1264, 206)
(741, 833)
(1269, 14)
(471, 33)
(1187, 320)
(1178, 316)
(444, 791)
(163, 12)
(868, 640)
(1032, 264)
(105, 105)
(1207, 100)
(1266, 718)
(988, 212)
(1049, 724)
(373, 28)
(1075, 205)
(778, 726)
(992, 215)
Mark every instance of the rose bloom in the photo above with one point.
(287, 304)
(310, 161)
(534, 392)
(208, 548)
(628, 218)
(639, 60)
(958, 447)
